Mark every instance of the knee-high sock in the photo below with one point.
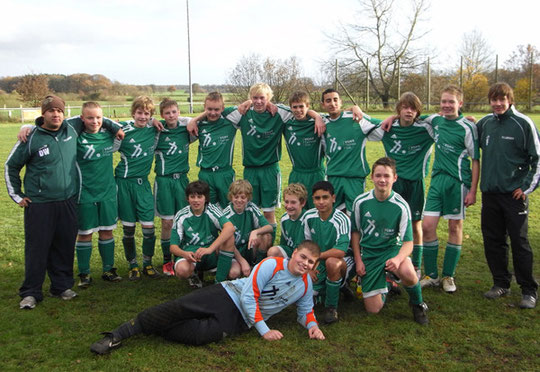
(431, 251)
(332, 293)
(128, 240)
(148, 244)
(106, 251)
(451, 258)
(417, 255)
(84, 252)
(415, 294)
(166, 249)
(223, 265)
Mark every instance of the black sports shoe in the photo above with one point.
(111, 275)
(420, 313)
(84, 281)
(106, 344)
(330, 315)
(347, 292)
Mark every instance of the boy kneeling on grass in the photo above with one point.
(232, 307)
(202, 237)
(382, 241)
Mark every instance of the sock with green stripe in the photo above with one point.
(84, 252)
(332, 293)
(415, 294)
(106, 251)
(431, 251)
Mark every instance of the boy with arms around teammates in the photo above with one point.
(253, 234)
(172, 166)
(453, 186)
(510, 172)
(382, 241)
(345, 150)
(230, 308)
(409, 142)
(202, 237)
(292, 228)
(135, 200)
(331, 230)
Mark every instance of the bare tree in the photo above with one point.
(33, 88)
(477, 54)
(380, 42)
(246, 73)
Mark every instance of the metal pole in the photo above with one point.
(496, 68)
(398, 79)
(336, 76)
(367, 83)
(531, 82)
(189, 61)
(460, 73)
(428, 85)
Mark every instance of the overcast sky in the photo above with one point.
(134, 42)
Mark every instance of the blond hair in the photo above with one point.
(240, 186)
(298, 190)
(261, 88)
(142, 103)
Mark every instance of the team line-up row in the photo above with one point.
(508, 139)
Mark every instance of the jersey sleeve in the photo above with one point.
(304, 309)
(368, 127)
(285, 113)
(76, 122)
(342, 224)
(532, 180)
(216, 215)
(471, 142)
(16, 160)
(177, 232)
(234, 117)
(251, 293)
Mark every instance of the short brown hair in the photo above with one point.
(409, 99)
(454, 90)
(240, 186)
(299, 96)
(166, 102)
(214, 96)
(311, 246)
(501, 90)
(298, 190)
(90, 105)
(143, 103)
(385, 162)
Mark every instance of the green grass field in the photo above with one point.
(466, 332)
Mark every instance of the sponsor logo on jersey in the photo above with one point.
(44, 151)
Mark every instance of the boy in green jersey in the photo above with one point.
(216, 149)
(345, 150)
(331, 230)
(292, 229)
(97, 208)
(172, 166)
(135, 200)
(453, 186)
(253, 234)
(409, 142)
(382, 241)
(304, 146)
(202, 237)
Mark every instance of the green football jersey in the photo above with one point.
(216, 144)
(247, 221)
(191, 232)
(172, 150)
(334, 232)
(95, 164)
(304, 146)
(381, 224)
(456, 142)
(410, 147)
(292, 232)
(136, 151)
(345, 146)
(261, 135)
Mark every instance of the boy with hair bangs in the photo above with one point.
(232, 307)
(345, 149)
(172, 166)
(382, 241)
(216, 148)
(135, 199)
(253, 234)
(292, 228)
(510, 172)
(331, 230)
(409, 142)
(454, 181)
(202, 237)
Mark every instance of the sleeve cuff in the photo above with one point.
(261, 327)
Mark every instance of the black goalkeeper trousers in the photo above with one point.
(200, 317)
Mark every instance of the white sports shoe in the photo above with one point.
(29, 302)
(448, 284)
(427, 281)
(67, 295)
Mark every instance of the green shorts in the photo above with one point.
(208, 262)
(346, 190)
(170, 194)
(219, 182)
(446, 197)
(94, 217)
(374, 281)
(135, 201)
(307, 178)
(266, 182)
(413, 193)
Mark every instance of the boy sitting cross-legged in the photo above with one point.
(202, 237)
(292, 230)
(382, 241)
(253, 233)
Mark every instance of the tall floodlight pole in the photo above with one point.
(189, 61)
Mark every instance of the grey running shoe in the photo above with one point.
(527, 302)
(29, 302)
(496, 292)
